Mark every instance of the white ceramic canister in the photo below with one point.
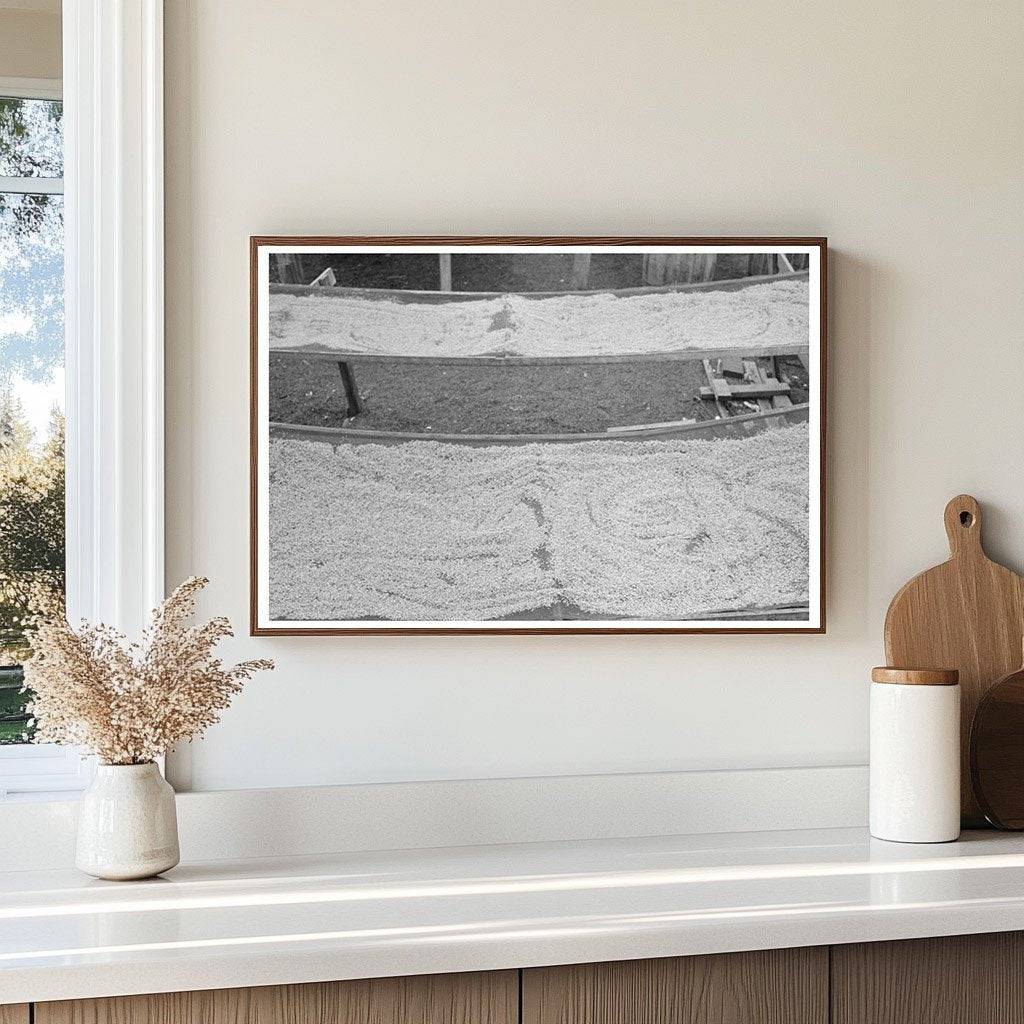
(915, 755)
(127, 824)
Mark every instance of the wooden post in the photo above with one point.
(580, 272)
(661, 268)
(703, 268)
(287, 269)
(678, 268)
(348, 383)
(445, 266)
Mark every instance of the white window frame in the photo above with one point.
(32, 88)
(114, 323)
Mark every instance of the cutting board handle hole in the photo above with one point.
(966, 519)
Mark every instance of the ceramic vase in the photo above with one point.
(127, 825)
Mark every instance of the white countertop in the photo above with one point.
(262, 922)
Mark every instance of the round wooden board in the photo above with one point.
(997, 752)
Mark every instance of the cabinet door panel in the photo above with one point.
(14, 1013)
(482, 998)
(961, 979)
(778, 986)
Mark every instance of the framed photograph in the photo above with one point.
(537, 435)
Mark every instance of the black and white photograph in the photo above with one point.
(563, 437)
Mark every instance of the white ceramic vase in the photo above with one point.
(127, 825)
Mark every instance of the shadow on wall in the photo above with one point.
(853, 287)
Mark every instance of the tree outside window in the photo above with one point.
(31, 387)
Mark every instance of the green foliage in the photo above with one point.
(31, 546)
(30, 147)
(14, 727)
(30, 138)
(31, 346)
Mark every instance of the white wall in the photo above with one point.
(895, 129)
(30, 39)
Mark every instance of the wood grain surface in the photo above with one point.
(14, 1013)
(781, 986)
(962, 979)
(997, 752)
(480, 998)
(915, 676)
(967, 614)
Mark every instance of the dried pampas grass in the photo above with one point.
(129, 703)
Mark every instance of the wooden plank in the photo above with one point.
(629, 428)
(444, 260)
(788, 612)
(763, 370)
(780, 401)
(785, 266)
(960, 979)
(797, 414)
(14, 1013)
(480, 998)
(714, 381)
(780, 986)
(330, 355)
(353, 407)
(325, 279)
(580, 271)
(754, 374)
(732, 366)
(409, 295)
(723, 389)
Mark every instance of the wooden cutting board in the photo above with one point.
(967, 614)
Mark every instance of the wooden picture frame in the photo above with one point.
(663, 249)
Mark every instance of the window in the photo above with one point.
(91, 172)
(32, 549)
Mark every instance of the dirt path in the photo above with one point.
(490, 399)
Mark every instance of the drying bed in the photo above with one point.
(667, 530)
(769, 317)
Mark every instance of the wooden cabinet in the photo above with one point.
(490, 998)
(971, 979)
(777, 986)
(963, 979)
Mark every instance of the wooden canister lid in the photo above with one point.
(916, 676)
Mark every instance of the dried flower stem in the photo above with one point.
(129, 703)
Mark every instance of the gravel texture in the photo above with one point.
(773, 313)
(663, 530)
